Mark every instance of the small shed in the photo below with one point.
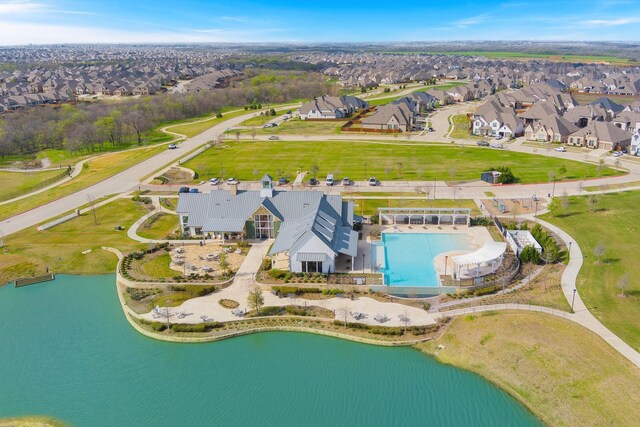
(491, 177)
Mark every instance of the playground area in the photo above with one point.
(514, 206)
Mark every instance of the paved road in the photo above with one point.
(122, 182)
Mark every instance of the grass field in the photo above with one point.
(393, 161)
(461, 126)
(16, 183)
(524, 55)
(60, 248)
(298, 127)
(95, 171)
(562, 372)
(158, 226)
(260, 120)
(198, 126)
(615, 225)
(588, 98)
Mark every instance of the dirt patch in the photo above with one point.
(208, 259)
(229, 303)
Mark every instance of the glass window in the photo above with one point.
(264, 226)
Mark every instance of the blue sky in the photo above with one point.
(186, 21)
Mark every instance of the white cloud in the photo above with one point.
(472, 20)
(612, 22)
(19, 6)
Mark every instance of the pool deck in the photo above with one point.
(477, 237)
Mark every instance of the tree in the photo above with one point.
(592, 201)
(600, 166)
(564, 201)
(315, 169)
(562, 170)
(530, 255)
(253, 134)
(256, 299)
(598, 251)
(623, 284)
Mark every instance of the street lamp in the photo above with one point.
(553, 190)
(365, 171)
(573, 298)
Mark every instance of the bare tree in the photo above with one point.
(623, 284)
(592, 201)
(598, 251)
(253, 135)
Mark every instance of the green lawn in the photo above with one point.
(615, 225)
(260, 120)
(60, 248)
(461, 126)
(158, 267)
(525, 55)
(197, 127)
(562, 372)
(159, 226)
(17, 183)
(94, 171)
(249, 160)
(298, 127)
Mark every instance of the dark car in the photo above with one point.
(194, 190)
(313, 181)
(183, 190)
(282, 180)
(483, 143)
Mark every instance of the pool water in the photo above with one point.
(407, 259)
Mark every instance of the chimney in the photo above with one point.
(233, 189)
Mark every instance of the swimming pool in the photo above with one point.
(407, 259)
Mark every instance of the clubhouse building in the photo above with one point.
(310, 228)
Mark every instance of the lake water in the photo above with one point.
(67, 351)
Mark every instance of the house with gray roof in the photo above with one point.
(331, 107)
(310, 229)
(601, 135)
(390, 117)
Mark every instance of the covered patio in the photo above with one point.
(484, 261)
(424, 216)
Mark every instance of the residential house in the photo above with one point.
(550, 129)
(390, 117)
(583, 115)
(601, 135)
(331, 107)
(310, 229)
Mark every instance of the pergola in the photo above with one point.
(484, 261)
(424, 216)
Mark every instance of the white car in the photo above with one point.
(617, 153)
(373, 181)
(172, 146)
(561, 149)
(232, 181)
(214, 181)
(498, 146)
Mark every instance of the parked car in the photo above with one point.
(268, 125)
(346, 181)
(498, 146)
(329, 180)
(274, 138)
(431, 129)
(232, 181)
(282, 180)
(214, 181)
(194, 190)
(313, 181)
(560, 149)
(499, 137)
(289, 111)
(617, 153)
(373, 181)
(483, 143)
(172, 146)
(183, 190)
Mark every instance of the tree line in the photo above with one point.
(95, 126)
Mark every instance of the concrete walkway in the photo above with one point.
(244, 282)
(582, 314)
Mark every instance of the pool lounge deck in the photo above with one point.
(477, 237)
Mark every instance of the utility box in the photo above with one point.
(491, 177)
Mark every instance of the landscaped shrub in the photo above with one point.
(530, 255)
(277, 274)
(486, 291)
(270, 311)
(550, 250)
(178, 288)
(198, 327)
(506, 176)
(352, 325)
(378, 330)
(333, 291)
(297, 311)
